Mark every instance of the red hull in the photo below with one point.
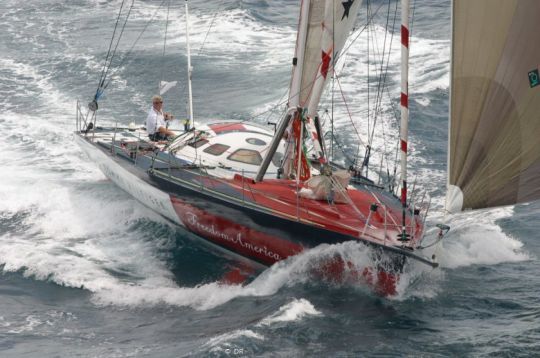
(243, 240)
(268, 249)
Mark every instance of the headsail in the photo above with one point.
(494, 139)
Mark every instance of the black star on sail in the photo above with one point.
(347, 7)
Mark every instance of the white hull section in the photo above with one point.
(146, 194)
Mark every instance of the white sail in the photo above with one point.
(322, 31)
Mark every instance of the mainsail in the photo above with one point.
(494, 139)
(322, 31)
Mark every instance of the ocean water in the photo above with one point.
(86, 270)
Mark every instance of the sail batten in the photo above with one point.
(494, 155)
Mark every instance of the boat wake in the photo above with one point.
(474, 239)
(124, 268)
(301, 269)
(235, 341)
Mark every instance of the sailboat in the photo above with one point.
(269, 195)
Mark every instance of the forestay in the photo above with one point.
(494, 140)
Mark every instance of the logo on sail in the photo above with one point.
(534, 78)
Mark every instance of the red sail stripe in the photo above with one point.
(325, 63)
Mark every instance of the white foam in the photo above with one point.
(419, 281)
(73, 234)
(29, 325)
(291, 312)
(297, 269)
(474, 239)
(223, 343)
(149, 294)
(234, 33)
(38, 85)
(4, 323)
(429, 66)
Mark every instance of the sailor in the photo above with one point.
(155, 122)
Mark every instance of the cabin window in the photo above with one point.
(255, 141)
(276, 159)
(246, 156)
(198, 143)
(216, 149)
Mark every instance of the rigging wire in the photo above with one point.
(349, 113)
(164, 47)
(107, 73)
(335, 60)
(368, 6)
(334, 77)
(383, 70)
(135, 42)
(210, 28)
(108, 61)
(199, 53)
(338, 58)
(382, 86)
(110, 46)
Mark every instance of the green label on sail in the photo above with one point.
(534, 78)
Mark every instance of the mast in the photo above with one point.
(298, 60)
(295, 89)
(190, 69)
(404, 106)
